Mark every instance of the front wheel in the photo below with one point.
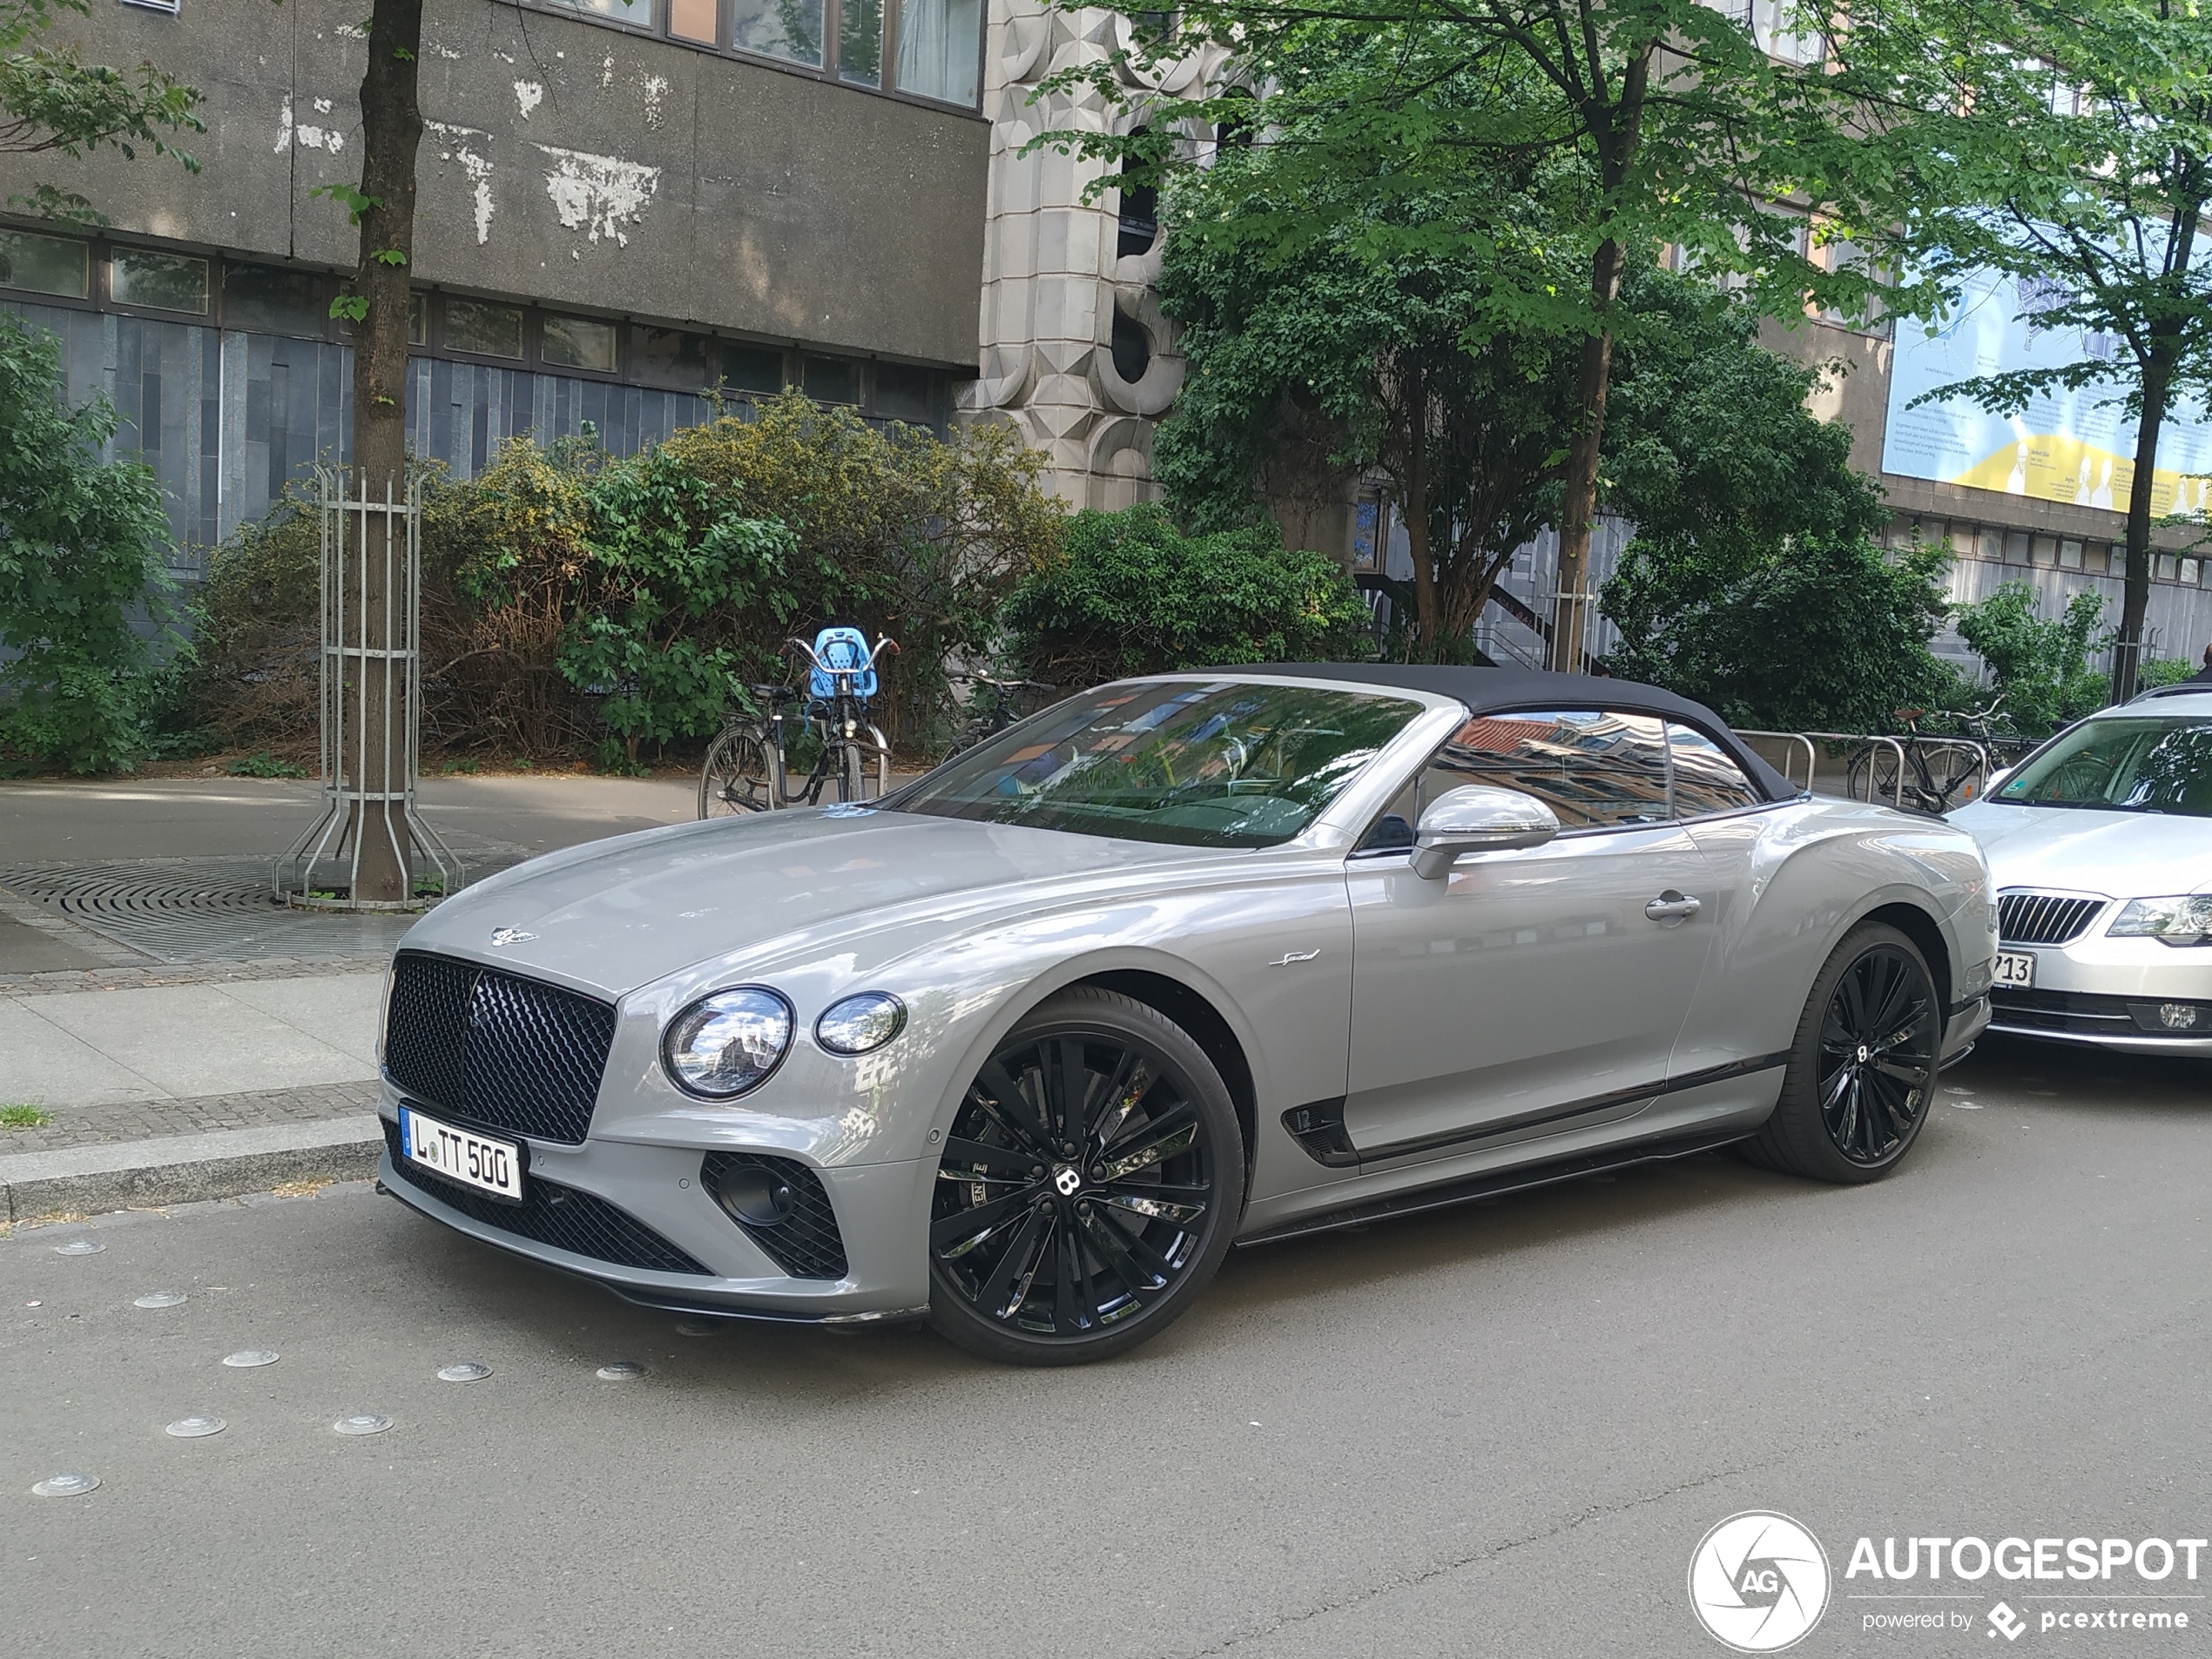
(1090, 1185)
(1862, 1066)
(741, 776)
(864, 766)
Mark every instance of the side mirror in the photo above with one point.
(1995, 781)
(1476, 817)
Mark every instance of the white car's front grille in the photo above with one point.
(2044, 918)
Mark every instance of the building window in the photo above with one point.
(160, 281)
(833, 380)
(859, 42)
(275, 302)
(693, 20)
(639, 13)
(1140, 215)
(938, 53)
(418, 320)
(2188, 573)
(488, 331)
(45, 265)
(753, 368)
(903, 393)
(577, 342)
(1132, 347)
(2069, 554)
(670, 357)
(791, 29)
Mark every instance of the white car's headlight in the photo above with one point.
(724, 1044)
(2184, 919)
(861, 1024)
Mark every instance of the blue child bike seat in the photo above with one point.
(841, 648)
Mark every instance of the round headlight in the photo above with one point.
(726, 1044)
(860, 1023)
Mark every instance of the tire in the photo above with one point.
(739, 777)
(864, 767)
(1039, 1257)
(1862, 1065)
(1873, 776)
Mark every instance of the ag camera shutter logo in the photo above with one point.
(1758, 1582)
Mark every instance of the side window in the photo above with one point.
(1706, 780)
(1595, 769)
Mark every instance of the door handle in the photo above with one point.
(1671, 906)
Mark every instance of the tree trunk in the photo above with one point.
(1416, 505)
(1617, 131)
(1578, 506)
(2135, 601)
(391, 131)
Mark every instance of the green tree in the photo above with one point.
(2040, 663)
(2069, 148)
(1132, 595)
(54, 103)
(1653, 122)
(80, 553)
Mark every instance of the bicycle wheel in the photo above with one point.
(1951, 765)
(740, 776)
(864, 766)
(1873, 775)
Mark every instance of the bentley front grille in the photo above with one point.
(494, 1049)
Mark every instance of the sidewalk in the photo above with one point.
(185, 1040)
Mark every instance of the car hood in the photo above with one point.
(613, 915)
(2123, 855)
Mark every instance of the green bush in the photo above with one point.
(2041, 664)
(1131, 594)
(569, 595)
(2164, 670)
(1819, 633)
(80, 560)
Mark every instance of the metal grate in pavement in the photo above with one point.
(181, 911)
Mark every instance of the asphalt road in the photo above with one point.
(1497, 1430)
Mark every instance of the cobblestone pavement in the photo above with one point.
(156, 1119)
(151, 974)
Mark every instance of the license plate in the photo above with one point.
(462, 1155)
(2015, 969)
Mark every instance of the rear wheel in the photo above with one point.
(739, 777)
(1089, 1187)
(1861, 1066)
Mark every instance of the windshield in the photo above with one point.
(1211, 765)
(2121, 764)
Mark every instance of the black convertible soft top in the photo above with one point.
(1499, 690)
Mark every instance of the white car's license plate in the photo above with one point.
(462, 1155)
(2015, 969)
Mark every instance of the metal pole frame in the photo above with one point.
(336, 834)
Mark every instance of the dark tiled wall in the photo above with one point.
(225, 418)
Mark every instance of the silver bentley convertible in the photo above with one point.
(1179, 964)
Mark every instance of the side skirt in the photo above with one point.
(1494, 1184)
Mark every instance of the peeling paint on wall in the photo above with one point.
(471, 147)
(307, 137)
(599, 195)
(656, 93)
(528, 96)
(607, 71)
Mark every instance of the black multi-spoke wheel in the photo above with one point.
(1089, 1184)
(1863, 1068)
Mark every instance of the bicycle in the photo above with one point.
(999, 713)
(747, 764)
(1924, 773)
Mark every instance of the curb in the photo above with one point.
(186, 1168)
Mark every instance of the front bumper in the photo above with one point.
(648, 1204)
(2111, 994)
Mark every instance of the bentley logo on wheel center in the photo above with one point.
(1758, 1581)
(1067, 1180)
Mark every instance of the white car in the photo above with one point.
(2100, 842)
